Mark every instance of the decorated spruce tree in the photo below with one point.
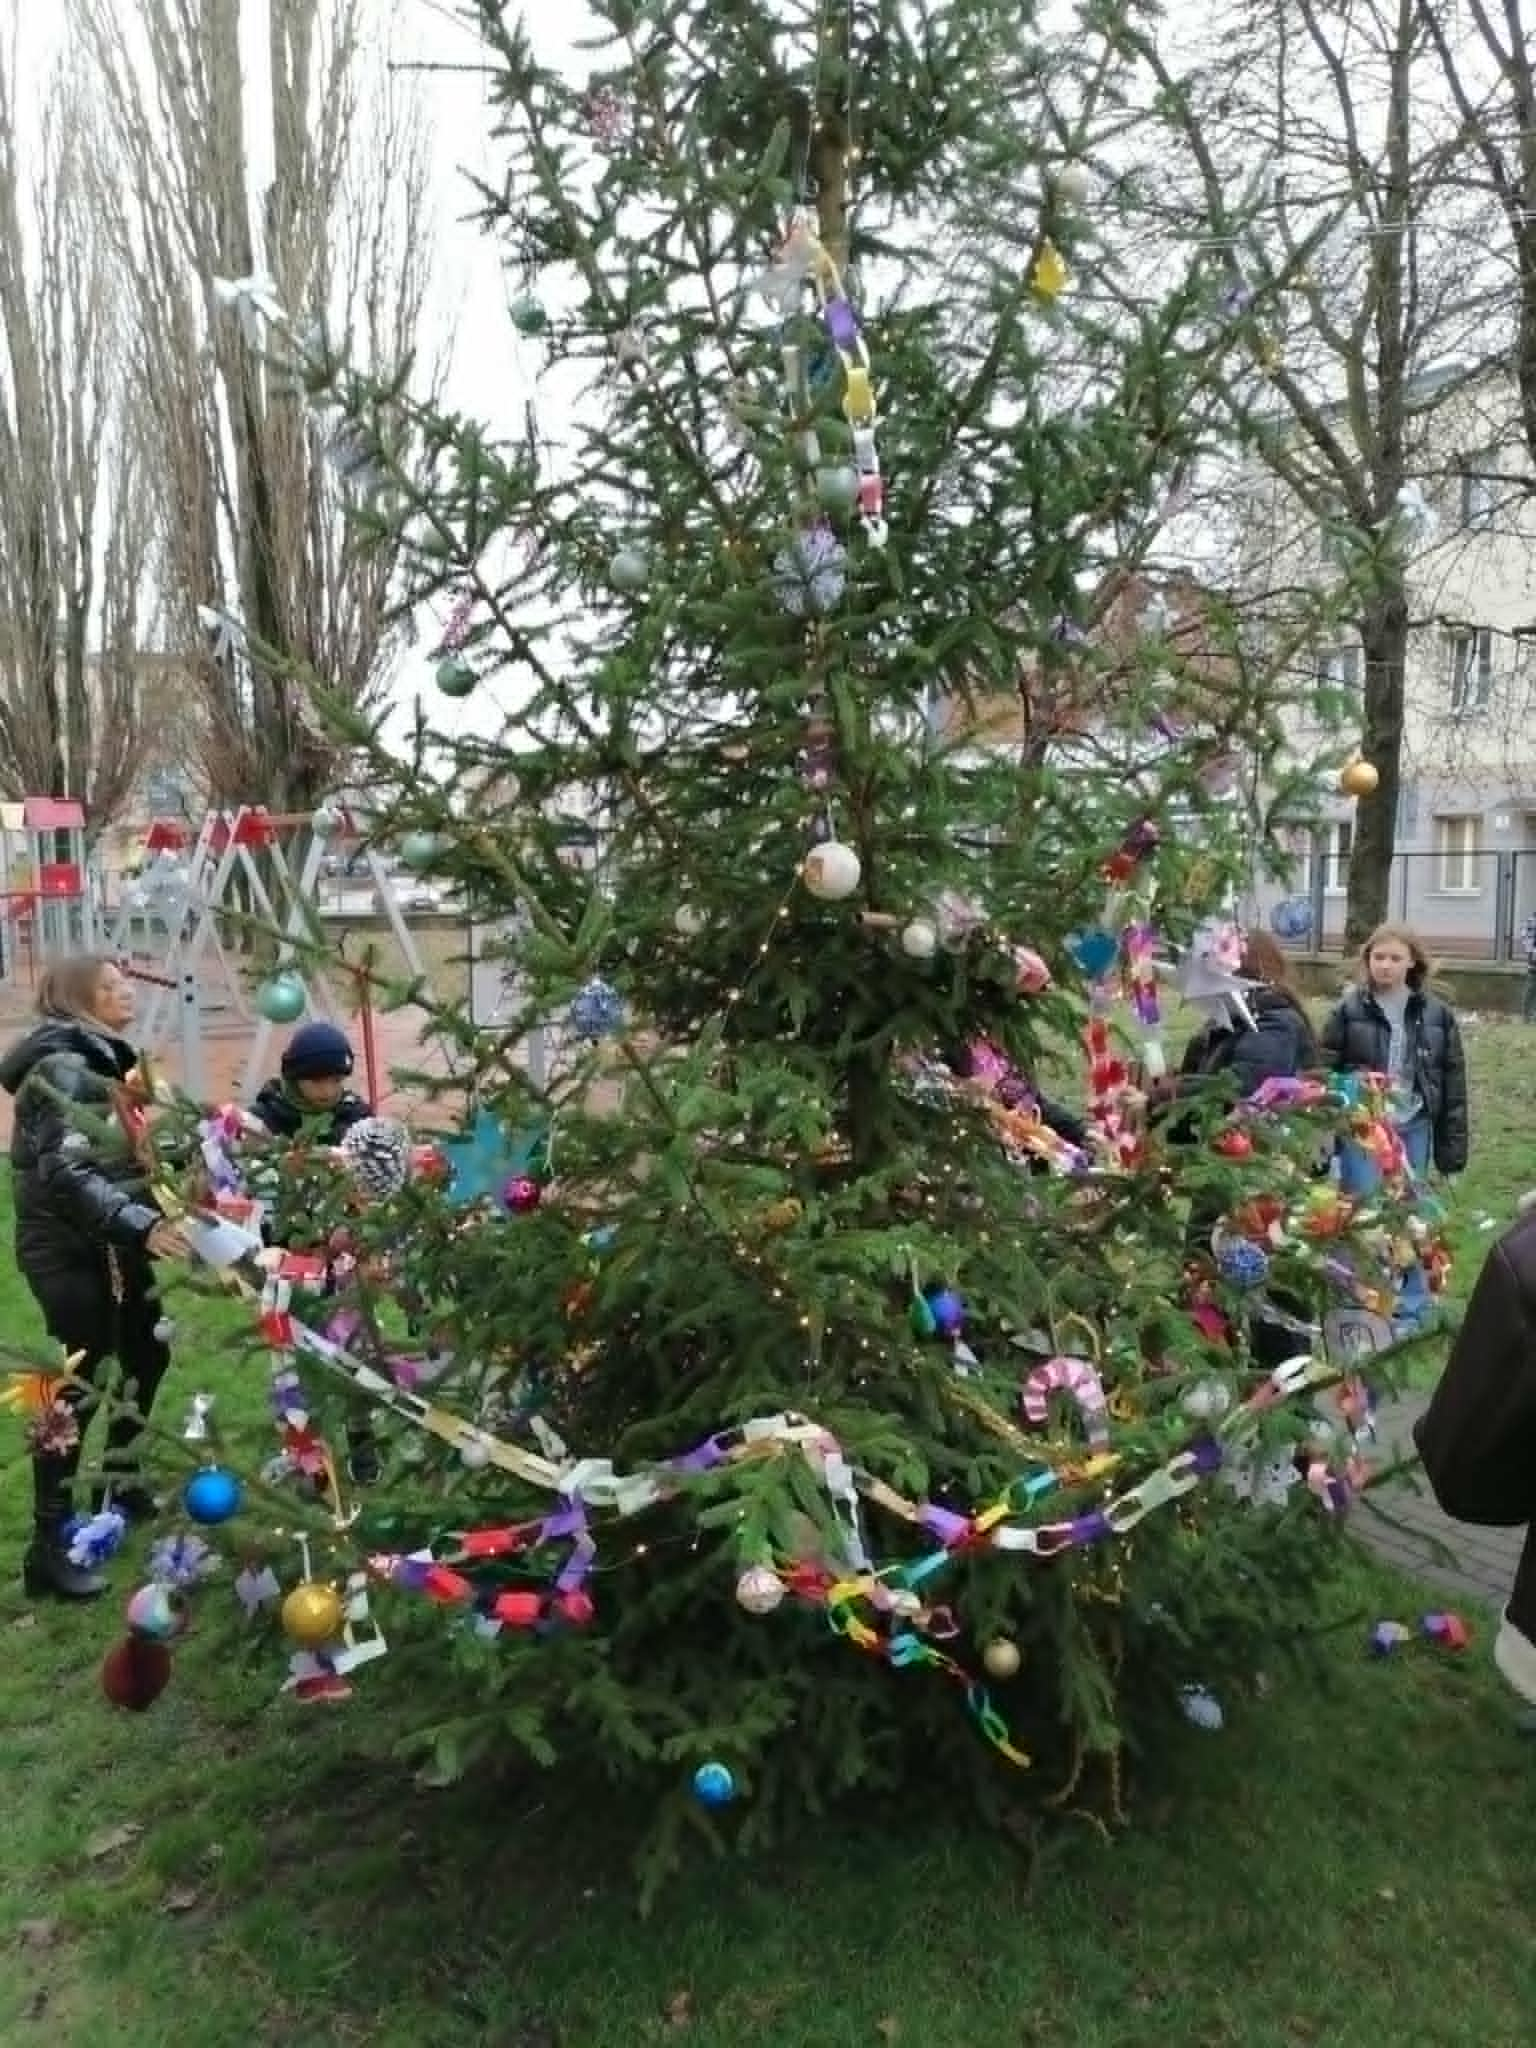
(771, 1397)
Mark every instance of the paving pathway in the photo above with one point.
(1476, 1566)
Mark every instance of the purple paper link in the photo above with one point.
(567, 1521)
(573, 1573)
(706, 1458)
(841, 325)
(343, 1327)
(1091, 1528)
(950, 1528)
(410, 1572)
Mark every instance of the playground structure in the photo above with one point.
(44, 883)
(218, 907)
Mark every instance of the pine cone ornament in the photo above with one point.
(378, 1155)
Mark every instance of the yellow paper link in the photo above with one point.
(858, 395)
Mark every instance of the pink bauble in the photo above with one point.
(522, 1194)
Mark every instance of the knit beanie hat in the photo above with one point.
(317, 1052)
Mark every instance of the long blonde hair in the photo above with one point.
(67, 988)
(1397, 935)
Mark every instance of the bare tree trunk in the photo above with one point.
(1384, 646)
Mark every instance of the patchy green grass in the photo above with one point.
(1343, 1866)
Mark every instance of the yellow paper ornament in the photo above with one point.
(1049, 276)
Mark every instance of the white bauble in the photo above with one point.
(689, 920)
(919, 939)
(1072, 184)
(759, 1589)
(475, 1455)
(1207, 1400)
(831, 871)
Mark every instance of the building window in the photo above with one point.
(1331, 844)
(1479, 489)
(1338, 668)
(1469, 657)
(1458, 855)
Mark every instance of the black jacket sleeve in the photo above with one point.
(65, 1167)
(1451, 1133)
(1334, 1034)
(1274, 1050)
(1478, 1436)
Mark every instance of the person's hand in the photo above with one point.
(169, 1241)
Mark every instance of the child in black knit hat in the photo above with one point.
(310, 1104)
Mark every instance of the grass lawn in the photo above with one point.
(1341, 1867)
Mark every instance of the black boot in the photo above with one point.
(46, 1571)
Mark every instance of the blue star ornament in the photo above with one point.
(486, 1157)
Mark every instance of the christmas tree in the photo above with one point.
(773, 1381)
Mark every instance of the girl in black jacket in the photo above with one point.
(1390, 1024)
(86, 1231)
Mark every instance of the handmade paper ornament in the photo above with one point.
(831, 871)
(1387, 1637)
(181, 1561)
(1209, 977)
(378, 1154)
(91, 1540)
(455, 676)
(811, 573)
(759, 1589)
(1049, 275)
(256, 1589)
(135, 1673)
(628, 571)
(485, 1158)
(597, 1010)
(212, 1496)
(282, 1000)
(312, 1615)
(1095, 952)
(1001, 1658)
(1448, 1630)
(713, 1785)
(156, 1613)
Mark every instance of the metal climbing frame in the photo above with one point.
(46, 898)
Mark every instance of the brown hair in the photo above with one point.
(1397, 935)
(1264, 961)
(67, 988)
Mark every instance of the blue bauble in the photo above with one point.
(1291, 919)
(1242, 1263)
(212, 1495)
(1094, 952)
(597, 1010)
(713, 1785)
(947, 1310)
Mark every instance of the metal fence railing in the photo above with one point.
(1465, 902)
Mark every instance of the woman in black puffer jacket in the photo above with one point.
(86, 1231)
(1391, 1024)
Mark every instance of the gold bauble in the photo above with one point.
(1358, 778)
(1001, 1658)
(312, 1615)
(783, 1215)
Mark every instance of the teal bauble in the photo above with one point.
(455, 677)
(283, 999)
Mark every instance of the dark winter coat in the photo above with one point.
(1478, 1436)
(285, 1116)
(78, 1190)
(1279, 1045)
(1357, 1038)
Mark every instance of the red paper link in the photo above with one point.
(518, 1610)
(497, 1542)
(277, 1329)
(307, 1268)
(439, 1583)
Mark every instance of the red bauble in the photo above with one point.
(135, 1673)
(1235, 1145)
(429, 1164)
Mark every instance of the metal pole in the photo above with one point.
(189, 1012)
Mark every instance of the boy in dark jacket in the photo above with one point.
(311, 1105)
(1478, 1436)
(311, 1101)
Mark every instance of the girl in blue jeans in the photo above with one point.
(1392, 1025)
